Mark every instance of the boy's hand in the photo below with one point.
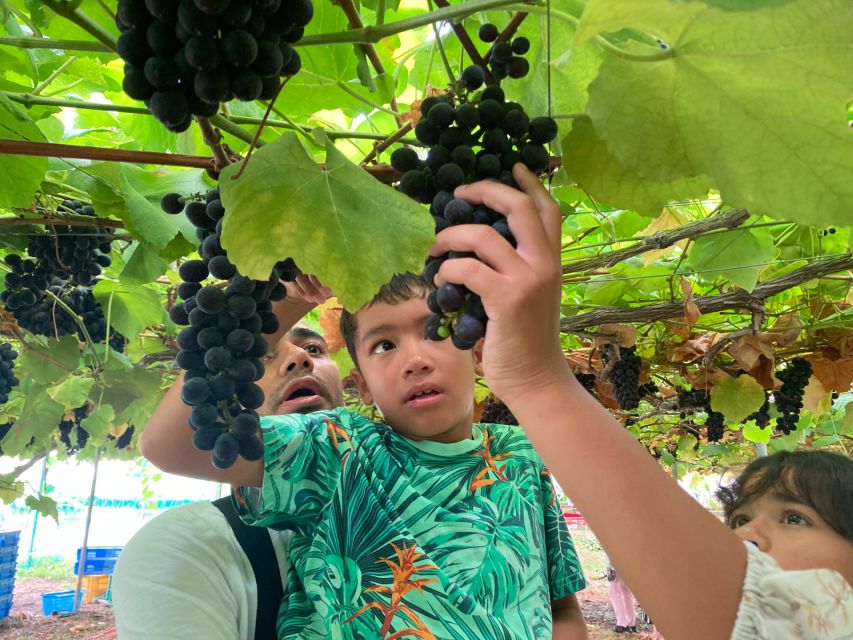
(309, 288)
(520, 288)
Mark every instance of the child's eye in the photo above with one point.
(382, 346)
(795, 519)
(739, 521)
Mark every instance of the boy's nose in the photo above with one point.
(417, 362)
(754, 533)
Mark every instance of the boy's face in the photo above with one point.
(300, 376)
(424, 389)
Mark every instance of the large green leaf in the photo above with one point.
(353, 232)
(131, 392)
(726, 100)
(588, 161)
(40, 417)
(739, 255)
(71, 392)
(20, 176)
(45, 505)
(50, 361)
(737, 397)
(129, 309)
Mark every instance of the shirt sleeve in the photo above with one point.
(302, 463)
(565, 574)
(814, 604)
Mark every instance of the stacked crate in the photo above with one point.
(8, 562)
(97, 569)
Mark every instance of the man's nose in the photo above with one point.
(298, 359)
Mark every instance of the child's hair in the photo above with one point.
(401, 287)
(821, 480)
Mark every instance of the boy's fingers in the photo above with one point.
(548, 210)
(475, 275)
(517, 206)
(489, 246)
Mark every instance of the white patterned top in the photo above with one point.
(814, 604)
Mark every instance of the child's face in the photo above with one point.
(793, 534)
(423, 388)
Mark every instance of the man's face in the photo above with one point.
(424, 389)
(300, 377)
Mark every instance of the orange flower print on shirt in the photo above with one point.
(490, 461)
(402, 571)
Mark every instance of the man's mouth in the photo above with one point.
(299, 394)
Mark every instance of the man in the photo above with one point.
(197, 571)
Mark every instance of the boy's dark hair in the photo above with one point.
(820, 479)
(401, 287)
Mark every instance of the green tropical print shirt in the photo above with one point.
(395, 538)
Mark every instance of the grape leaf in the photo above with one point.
(588, 160)
(10, 489)
(99, 422)
(51, 361)
(143, 266)
(40, 416)
(726, 100)
(45, 505)
(129, 309)
(738, 256)
(754, 433)
(20, 176)
(71, 392)
(736, 397)
(354, 233)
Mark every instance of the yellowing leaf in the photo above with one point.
(816, 399)
(736, 397)
(670, 218)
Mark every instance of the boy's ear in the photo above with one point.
(477, 351)
(363, 391)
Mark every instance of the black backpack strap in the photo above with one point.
(257, 545)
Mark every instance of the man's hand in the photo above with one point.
(309, 288)
(520, 288)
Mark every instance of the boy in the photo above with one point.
(427, 527)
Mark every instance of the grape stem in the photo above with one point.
(213, 139)
(44, 84)
(260, 128)
(468, 44)
(505, 35)
(757, 321)
(79, 322)
(381, 146)
(70, 12)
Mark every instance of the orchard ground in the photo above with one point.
(96, 621)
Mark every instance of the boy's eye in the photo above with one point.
(795, 518)
(739, 521)
(382, 346)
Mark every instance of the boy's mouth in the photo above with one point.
(424, 395)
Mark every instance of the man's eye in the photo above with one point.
(267, 357)
(382, 346)
(315, 350)
(795, 518)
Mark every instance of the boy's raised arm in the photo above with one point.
(167, 440)
(643, 519)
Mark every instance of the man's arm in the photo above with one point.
(167, 439)
(568, 619)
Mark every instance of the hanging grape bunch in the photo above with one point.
(624, 375)
(71, 422)
(7, 374)
(75, 253)
(496, 412)
(184, 57)
(49, 290)
(505, 59)
(789, 397)
(762, 416)
(481, 138)
(222, 347)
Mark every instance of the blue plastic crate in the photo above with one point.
(7, 585)
(8, 553)
(7, 569)
(101, 566)
(9, 539)
(99, 553)
(5, 605)
(58, 602)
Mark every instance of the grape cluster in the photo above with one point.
(471, 141)
(222, 347)
(506, 58)
(468, 142)
(715, 424)
(496, 412)
(692, 399)
(625, 376)
(762, 416)
(7, 374)
(31, 293)
(71, 422)
(77, 254)
(124, 439)
(789, 397)
(587, 381)
(184, 57)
